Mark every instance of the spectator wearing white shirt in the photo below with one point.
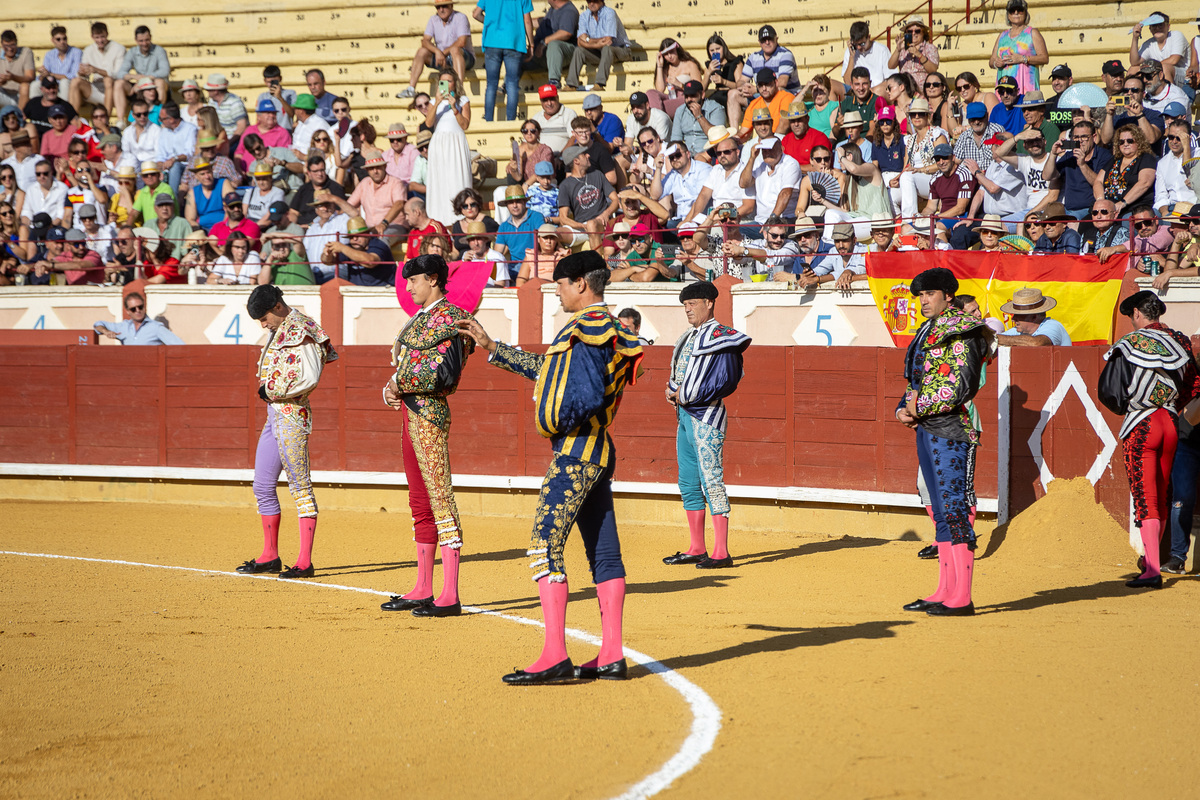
(1160, 92)
(853, 253)
(308, 122)
(678, 188)
(176, 144)
(239, 265)
(96, 80)
(554, 118)
(1166, 46)
(256, 205)
(774, 176)
(862, 52)
(642, 114)
(775, 252)
(100, 237)
(1170, 181)
(723, 184)
(114, 159)
(140, 140)
(325, 228)
(23, 160)
(46, 195)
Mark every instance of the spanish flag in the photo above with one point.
(1085, 289)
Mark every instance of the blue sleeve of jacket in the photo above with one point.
(721, 380)
(585, 377)
(518, 362)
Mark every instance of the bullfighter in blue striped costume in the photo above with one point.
(580, 380)
(705, 368)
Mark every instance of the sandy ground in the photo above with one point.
(123, 681)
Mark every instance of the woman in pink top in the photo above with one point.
(268, 129)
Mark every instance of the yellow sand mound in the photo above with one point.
(1064, 528)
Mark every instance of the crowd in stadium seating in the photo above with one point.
(735, 165)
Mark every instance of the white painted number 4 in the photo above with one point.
(234, 331)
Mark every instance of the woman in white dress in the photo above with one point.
(449, 155)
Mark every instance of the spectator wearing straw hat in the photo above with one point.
(1033, 111)
(205, 203)
(852, 127)
(1057, 238)
(153, 185)
(479, 248)
(883, 234)
(929, 235)
(723, 184)
(231, 112)
(328, 225)
(380, 198)
(176, 144)
(308, 122)
(145, 89)
(364, 259)
(517, 233)
(222, 166)
(140, 139)
(147, 60)
(801, 138)
(256, 204)
(420, 173)
(1031, 327)
(817, 261)
(989, 231)
(266, 126)
(400, 155)
(914, 54)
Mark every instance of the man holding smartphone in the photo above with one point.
(277, 96)
(1079, 161)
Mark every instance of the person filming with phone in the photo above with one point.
(1076, 158)
(1126, 108)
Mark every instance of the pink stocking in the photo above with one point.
(611, 595)
(554, 614)
(270, 525)
(449, 595)
(1151, 533)
(929, 511)
(424, 587)
(971, 517)
(946, 575)
(308, 531)
(963, 558)
(720, 536)
(696, 529)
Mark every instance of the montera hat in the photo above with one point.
(577, 265)
(936, 279)
(700, 290)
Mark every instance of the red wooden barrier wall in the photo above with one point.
(803, 416)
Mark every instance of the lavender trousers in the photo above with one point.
(282, 447)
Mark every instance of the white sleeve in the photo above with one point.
(311, 364)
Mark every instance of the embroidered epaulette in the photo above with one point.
(720, 339)
(437, 327)
(297, 327)
(1150, 349)
(596, 327)
(950, 323)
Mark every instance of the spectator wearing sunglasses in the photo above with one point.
(1107, 236)
(1006, 113)
(1167, 47)
(866, 55)
(723, 186)
(678, 190)
(1170, 182)
(1079, 167)
(1033, 110)
(1151, 239)
(46, 195)
(1147, 120)
(138, 328)
(530, 152)
(468, 204)
(140, 139)
(1129, 182)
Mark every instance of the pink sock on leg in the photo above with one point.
(308, 532)
(1151, 534)
(946, 582)
(424, 586)
(270, 526)
(554, 614)
(449, 595)
(963, 559)
(929, 511)
(696, 530)
(611, 595)
(971, 517)
(720, 536)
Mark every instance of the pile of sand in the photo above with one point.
(1065, 528)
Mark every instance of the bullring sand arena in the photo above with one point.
(135, 663)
